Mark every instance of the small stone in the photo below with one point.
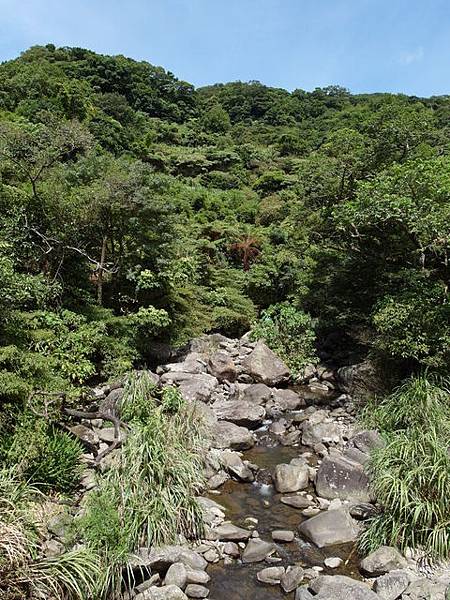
(256, 551)
(292, 578)
(231, 549)
(196, 591)
(333, 562)
(271, 575)
(310, 512)
(211, 556)
(296, 501)
(230, 532)
(282, 535)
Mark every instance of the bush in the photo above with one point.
(289, 332)
(148, 496)
(45, 456)
(24, 573)
(411, 475)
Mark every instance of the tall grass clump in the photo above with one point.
(24, 572)
(411, 474)
(148, 495)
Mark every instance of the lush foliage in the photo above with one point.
(289, 332)
(23, 574)
(148, 495)
(411, 475)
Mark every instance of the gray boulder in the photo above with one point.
(296, 501)
(382, 560)
(339, 587)
(340, 477)
(321, 433)
(329, 528)
(168, 592)
(194, 362)
(284, 400)
(160, 559)
(290, 478)
(221, 365)
(367, 440)
(240, 412)
(229, 435)
(292, 578)
(392, 585)
(271, 575)
(193, 386)
(232, 463)
(229, 532)
(283, 535)
(258, 393)
(193, 590)
(265, 366)
(196, 576)
(177, 575)
(257, 550)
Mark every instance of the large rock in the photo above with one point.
(265, 366)
(321, 433)
(270, 575)
(382, 560)
(232, 533)
(221, 365)
(232, 463)
(193, 363)
(258, 393)
(160, 559)
(290, 478)
(339, 587)
(367, 440)
(177, 575)
(284, 400)
(362, 379)
(193, 386)
(329, 528)
(292, 578)
(239, 412)
(193, 590)
(229, 435)
(392, 585)
(257, 550)
(339, 477)
(168, 592)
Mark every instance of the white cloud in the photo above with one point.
(416, 55)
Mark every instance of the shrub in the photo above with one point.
(411, 474)
(24, 573)
(46, 457)
(289, 332)
(148, 495)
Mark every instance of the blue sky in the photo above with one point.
(365, 45)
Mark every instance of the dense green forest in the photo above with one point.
(137, 212)
(134, 207)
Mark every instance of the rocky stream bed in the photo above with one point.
(287, 493)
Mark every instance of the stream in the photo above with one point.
(259, 500)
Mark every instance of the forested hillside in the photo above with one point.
(137, 212)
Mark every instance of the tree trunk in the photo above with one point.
(100, 272)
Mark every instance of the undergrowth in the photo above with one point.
(411, 474)
(24, 573)
(147, 498)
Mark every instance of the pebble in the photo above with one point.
(333, 562)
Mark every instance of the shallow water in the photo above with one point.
(261, 501)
